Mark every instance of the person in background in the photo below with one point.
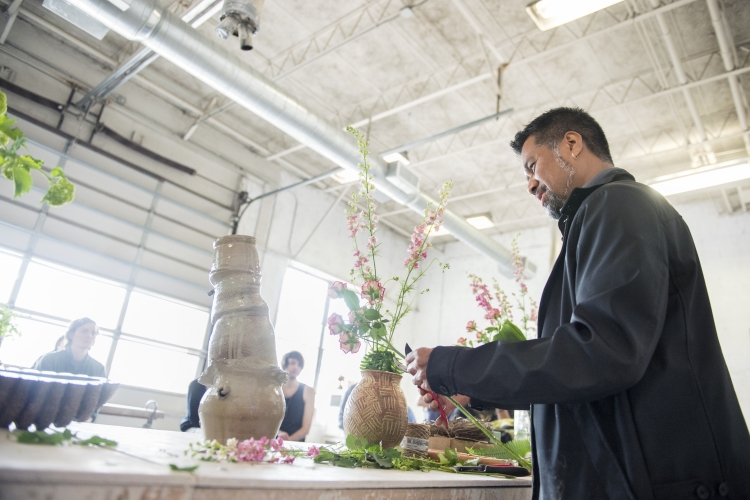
(60, 344)
(75, 359)
(196, 390)
(300, 400)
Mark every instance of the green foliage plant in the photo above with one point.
(17, 167)
(7, 328)
(371, 323)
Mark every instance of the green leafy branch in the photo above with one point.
(59, 438)
(17, 167)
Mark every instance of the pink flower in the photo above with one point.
(335, 324)
(313, 451)
(334, 291)
(479, 336)
(471, 326)
(288, 459)
(373, 291)
(461, 341)
(349, 343)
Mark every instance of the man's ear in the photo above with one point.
(573, 143)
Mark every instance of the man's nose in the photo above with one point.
(532, 186)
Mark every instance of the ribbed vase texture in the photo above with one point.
(244, 398)
(376, 409)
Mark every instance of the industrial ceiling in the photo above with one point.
(652, 73)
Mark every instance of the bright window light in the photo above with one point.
(298, 320)
(9, 263)
(143, 364)
(548, 14)
(165, 320)
(70, 294)
(393, 157)
(346, 176)
(480, 221)
(700, 178)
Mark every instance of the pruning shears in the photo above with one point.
(441, 408)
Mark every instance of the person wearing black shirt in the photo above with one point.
(300, 400)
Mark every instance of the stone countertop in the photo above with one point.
(142, 459)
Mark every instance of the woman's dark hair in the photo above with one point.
(549, 128)
(75, 325)
(293, 355)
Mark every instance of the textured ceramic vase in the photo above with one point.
(376, 409)
(244, 397)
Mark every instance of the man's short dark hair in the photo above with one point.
(549, 128)
(293, 355)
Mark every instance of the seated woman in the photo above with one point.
(75, 359)
(300, 400)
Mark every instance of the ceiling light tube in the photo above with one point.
(700, 178)
(548, 14)
(481, 221)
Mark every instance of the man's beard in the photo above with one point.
(555, 202)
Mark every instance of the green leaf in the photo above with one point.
(382, 461)
(346, 462)
(451, 455)
(96, 441)
(512, 450)
(60, 192)
(351, 299)
(3, 103)
(183, 469)
(355, 443)
(509, 333)
(57, 172)
(372, 314)
(378, 333)
(30, 162)
(22, 179)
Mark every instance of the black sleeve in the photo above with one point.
(621, 284)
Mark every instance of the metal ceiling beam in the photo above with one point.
(681, 77)
(726, 46)
(161, 31)
(735, 73)
(422, 82)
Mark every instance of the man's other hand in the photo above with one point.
(416, 362)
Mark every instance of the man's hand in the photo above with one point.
(416, 362)
(445, 403)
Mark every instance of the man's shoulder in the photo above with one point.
(619, 197)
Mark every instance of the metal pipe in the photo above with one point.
(160, 30)
(445, 133)
(725, 46)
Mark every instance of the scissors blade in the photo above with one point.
(407, 349)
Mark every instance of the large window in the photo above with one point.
(301, 326)
(160, 344)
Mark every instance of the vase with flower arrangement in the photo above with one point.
(376, 409)
(499, 309)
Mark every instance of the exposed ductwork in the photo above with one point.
(164, 33)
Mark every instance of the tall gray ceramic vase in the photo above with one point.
(244, 397)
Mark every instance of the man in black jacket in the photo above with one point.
(630, 394)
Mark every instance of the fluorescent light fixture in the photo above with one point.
(346, 176)
(700, 178)
(482, 221)
(548, 14)
(120, 4)
(442, 232)
(396, 157)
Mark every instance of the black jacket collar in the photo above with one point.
(578, 195)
